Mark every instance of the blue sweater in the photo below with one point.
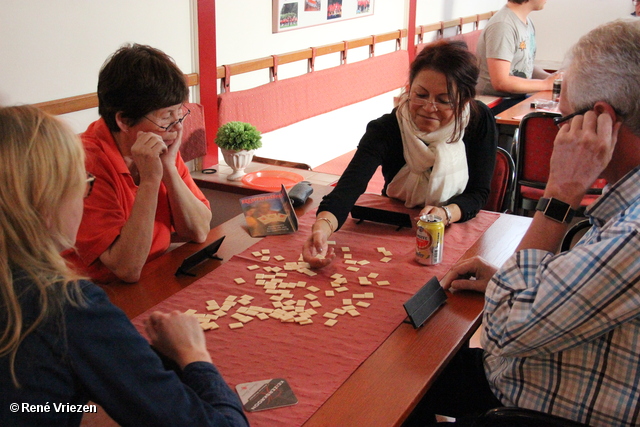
(95, 353)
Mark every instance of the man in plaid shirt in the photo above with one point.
(561, 332)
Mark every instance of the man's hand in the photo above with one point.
(582, 150)
(470, 274)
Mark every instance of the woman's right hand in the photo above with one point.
(146, 152)
(316, 249)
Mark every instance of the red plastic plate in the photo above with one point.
(271, 180)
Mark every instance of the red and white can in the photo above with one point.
(430, 240)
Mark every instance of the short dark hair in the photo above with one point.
(453, 59)
(136, 80)
(518, 1)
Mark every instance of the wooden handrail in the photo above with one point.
(423, 29)
(486, 15)
(306, 54)
(469, 19)
(438, 26)
(451, 23)
(90, 100)
(69, 105)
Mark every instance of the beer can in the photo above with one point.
(429, 240)
(557, 86)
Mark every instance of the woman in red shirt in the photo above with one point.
(144, 193)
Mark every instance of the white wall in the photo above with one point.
(54, 49)
(244, 29)
(562, 22)
(430, 11)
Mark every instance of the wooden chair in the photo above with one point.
(509, 417)
(537, 133)
(574, 234)
(194, 137)
(501, 183)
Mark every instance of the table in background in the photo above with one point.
(512, 116)
(224, 195)
(489, 100)
(219, 181)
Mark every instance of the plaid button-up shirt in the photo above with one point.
(562, 332)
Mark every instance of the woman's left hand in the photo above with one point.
(168, 158)
(434, 210)
(449, 215)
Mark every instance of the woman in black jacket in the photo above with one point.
(437, 148)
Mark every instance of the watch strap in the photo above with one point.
(556, 210)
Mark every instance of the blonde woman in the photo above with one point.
(62, 343)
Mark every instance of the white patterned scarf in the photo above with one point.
(435, 170)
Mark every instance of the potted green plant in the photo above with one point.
(238, 141)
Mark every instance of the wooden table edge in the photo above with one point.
(506, 117)
(376, 405)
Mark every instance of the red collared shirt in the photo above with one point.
(109, 206)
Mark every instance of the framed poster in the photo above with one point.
(294, 14)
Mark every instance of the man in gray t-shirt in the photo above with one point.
(506, 51)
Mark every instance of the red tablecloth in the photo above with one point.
(316, 359)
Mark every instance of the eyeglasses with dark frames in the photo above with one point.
(558, 121)
(90, 181)
(416, 99)
(168, 127)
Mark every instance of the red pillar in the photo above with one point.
(411, 30)
(208, 75)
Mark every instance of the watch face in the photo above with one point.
(556, 209)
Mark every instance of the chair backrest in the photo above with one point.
(575, 232)
(471, 39)
(522, 417)
(194, 138)
(536, 135)
(501, 182)
(535, 145)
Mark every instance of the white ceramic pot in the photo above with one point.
(238, 161)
